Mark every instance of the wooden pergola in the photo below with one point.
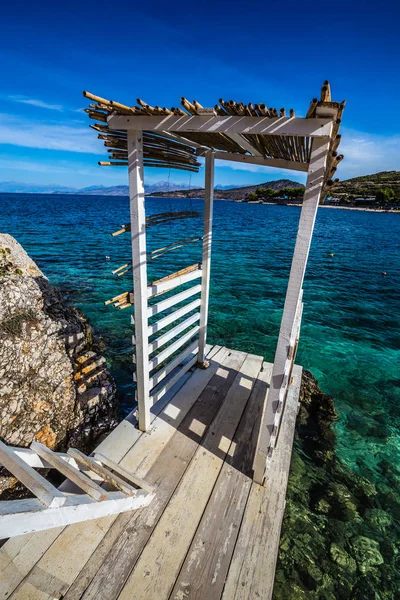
(186, 499)
(143, 135)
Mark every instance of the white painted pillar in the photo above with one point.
(139, 262)
(206, 260)
(312, 195)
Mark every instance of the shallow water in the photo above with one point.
(350, 336)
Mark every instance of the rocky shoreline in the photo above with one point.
(338, 541)
(54, 384)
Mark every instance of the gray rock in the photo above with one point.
(47, 356)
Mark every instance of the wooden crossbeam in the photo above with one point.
(131, 477)
(82, 481)
(293, 126)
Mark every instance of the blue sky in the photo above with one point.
(261, 52)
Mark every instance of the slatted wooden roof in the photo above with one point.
(181, 152)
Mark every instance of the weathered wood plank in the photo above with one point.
(252, 570)
(158, 566)
(125, 540)
(204, 571)
(16, 563)
(132, 477)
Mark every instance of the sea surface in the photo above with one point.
(350, 337)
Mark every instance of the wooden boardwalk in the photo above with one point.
(209, 533)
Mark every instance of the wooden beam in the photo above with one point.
(157, 360)
(312, 195)
(48, 495)
(175, 362)
(279, 163)
(206, 260)
(154, 309)
(174, 316)
(243, 143)
(139, 262)
(205, 124)
(131, 477)
(171, 333)
(170, 284)
(84, 483)
(31, 515)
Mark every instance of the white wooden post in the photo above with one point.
(316, 173)
(206, 261)
(139, 262)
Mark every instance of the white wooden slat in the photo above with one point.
(170, 284)
(125, 474)
(29, 514)
(139, 262)
(169, 335)
(312, 195)
(154, 309)
(278, 163)
(47, 494)
(318, 128)
(174, 316)
(33, 460)
(157, 360)
(206, 259)
(175, 362)
(83, 482)
(105, 474)
(161, 390)
(243, 143)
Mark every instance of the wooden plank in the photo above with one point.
(169, 335)
(204, 571)
(278, 163)
(154, 309)
(252, 570)
(160, 358)
(161, 389)
(170, 284)
(174, 316)
(139, 262)
(111, 564)
(29, 515)
(312, 195)
(175, 362)
(164, 554)
(48, 495)
(206, 260)
(37, 545)
(318, 128)
(125, 474)
(84, 483)
(105, 474)
(33, 460)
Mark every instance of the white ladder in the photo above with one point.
(52, 507)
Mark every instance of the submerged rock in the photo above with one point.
(337, 540)
(54, 385)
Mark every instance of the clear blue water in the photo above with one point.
(351, 325)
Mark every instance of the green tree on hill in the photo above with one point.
(385, 195)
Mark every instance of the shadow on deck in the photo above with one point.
(209, 533)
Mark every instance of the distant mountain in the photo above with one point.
(162, 187)
(15, 187)
(232, 193)
(368, 185)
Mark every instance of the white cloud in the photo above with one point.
(38, 103)
(19, 131)
(366, 153)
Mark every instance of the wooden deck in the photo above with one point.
(209, 533)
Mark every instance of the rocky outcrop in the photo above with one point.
(54, 384)
(337, 540)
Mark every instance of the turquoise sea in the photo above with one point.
(350, 337)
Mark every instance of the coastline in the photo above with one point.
(364, 209)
